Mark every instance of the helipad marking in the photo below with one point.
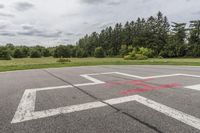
(194, 87)
(178, 115)
(25, 110)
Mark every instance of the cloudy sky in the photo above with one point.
(53, 22)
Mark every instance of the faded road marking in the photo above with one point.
(25, 110)
(29, 114)
(194, 87)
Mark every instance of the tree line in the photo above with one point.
(154, 35)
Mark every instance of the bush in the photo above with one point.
(25, 50)
(128, 57)
(135, 57)
(62, 51)
(99, 53)
(46, 53)
(63, 60)
(18, 53)
(123, 50)
(140, 57)
(35, 54)
(145, 51)
(80, 53)
(4, 54)
(139, 54)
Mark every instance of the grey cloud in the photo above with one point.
(114, 3)
(78, 34)
(108, 2)
(23, 6)
(93, 1)
(6, 33)
(85, 23)
(40, 33)
(69, 34)
(1, 6)
(54, 34)
(3, 26)
(27, 26)
(196, 13)
(66, 40)
(6, 15)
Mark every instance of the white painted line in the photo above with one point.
(52, 88)
(178, 115)
(95, 74)
(26, 106)
(162, 76)
(52, 112)
(25, 110)
(189, 75)
(92, 79)
(29, 114)
(96, 81)
(194, 87)
(129, 75)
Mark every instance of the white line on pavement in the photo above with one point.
(25, 110)
(194, 87)
(29, 114)
(178, 115)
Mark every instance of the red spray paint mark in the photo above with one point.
(146, 87)
(133, 82)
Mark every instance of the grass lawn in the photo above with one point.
(29, 63)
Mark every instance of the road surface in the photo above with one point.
(101, 99)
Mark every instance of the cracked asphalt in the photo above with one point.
(127, 117)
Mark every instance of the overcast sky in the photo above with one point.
(53, 22)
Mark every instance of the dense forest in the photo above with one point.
(154, 35)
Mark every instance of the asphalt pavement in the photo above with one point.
(101, 99)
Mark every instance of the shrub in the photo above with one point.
(159, 57)
(140, 57)
(62, 51)
(145, 51)
(4, 54)
(63, 60)
(128, 57)
(25, 50)
(46, 53)
(139, 54)
(123, 50)
(80, 53)
(135, 57)
(18, 53)
(130, 48)
(99, 53)
(35, 54)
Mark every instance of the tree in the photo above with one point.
(194, 32)
(62, 51)
(25, 50)
(35, 54)
(99, 53)
(176, 46)
(46, 52)
(10, 47)
(116, 39)
(80, 53)
(4, 54)
(18, 53)
(194, 39)
(123, 50)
